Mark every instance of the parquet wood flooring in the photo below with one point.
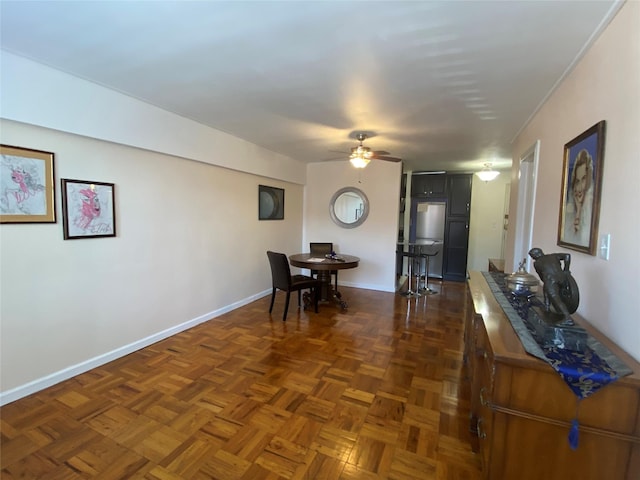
(373, 392)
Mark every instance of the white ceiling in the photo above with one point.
(443, 85)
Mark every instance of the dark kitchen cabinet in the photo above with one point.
(456, 232)
(456, 241)
(459, 195)
(403, 206)
(401, 216)
(428, 185)
(455, 190)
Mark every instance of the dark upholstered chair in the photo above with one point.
(283, 280)
(323, 248)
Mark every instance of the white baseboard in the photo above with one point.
(365, 286)
(57, 377)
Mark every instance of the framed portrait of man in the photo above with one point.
(581, 185)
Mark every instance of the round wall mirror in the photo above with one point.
(349, 207)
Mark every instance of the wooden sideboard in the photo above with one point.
(521, 410)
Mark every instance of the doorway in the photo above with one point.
(527, 176)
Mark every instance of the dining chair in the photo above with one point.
(283, 280)
(323, 248)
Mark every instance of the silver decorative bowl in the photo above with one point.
(522, 283)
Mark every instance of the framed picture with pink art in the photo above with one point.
(27, 194)
(88, 209)
(581, 186)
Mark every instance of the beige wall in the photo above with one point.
(375, 240)
(189, 247)
(605, 85)
(487, 220)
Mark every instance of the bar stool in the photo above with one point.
(426, 256)
(411, 256)
(419, 262)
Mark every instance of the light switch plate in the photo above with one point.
(604, 246)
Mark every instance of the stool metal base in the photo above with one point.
(411, 293)
(425, 289)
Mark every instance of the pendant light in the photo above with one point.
(487, 173)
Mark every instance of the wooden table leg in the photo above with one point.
(328, 294)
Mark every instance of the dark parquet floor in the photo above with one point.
(373, 392)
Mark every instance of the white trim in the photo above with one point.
(365, 286)
(527, 186)
(67, 373)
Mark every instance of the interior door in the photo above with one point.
(525, 206)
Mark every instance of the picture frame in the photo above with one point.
(88, 209)
(27, 193)
(270, 203)
(581, 186)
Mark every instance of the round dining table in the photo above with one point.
(324, 267)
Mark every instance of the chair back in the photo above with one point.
(280, 271)
(320, 248)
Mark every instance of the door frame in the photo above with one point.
(527, 186)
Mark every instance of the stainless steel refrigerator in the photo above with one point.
(429, 225)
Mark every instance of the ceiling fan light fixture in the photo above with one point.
(487, 173)
(359, 161)
(361, 151)
(360, 156)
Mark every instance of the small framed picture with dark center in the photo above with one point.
(270, 203)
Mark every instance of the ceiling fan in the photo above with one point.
(360, 156)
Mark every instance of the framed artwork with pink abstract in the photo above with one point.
(88, 209)
(26, 186)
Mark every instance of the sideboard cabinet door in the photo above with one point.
(521, 410)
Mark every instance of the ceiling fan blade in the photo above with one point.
(380, 152)
(387, 159)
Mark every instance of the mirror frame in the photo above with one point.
(365, 207)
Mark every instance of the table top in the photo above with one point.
(318, 262)
(421, 247)
(420, 242)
